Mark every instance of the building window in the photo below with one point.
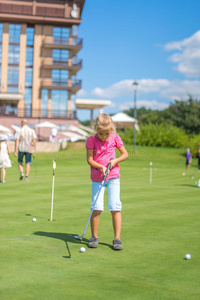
(12, 89)
(29, 65)
(14, 33)
(61, 35)
(60, 77)
(75, 30)
(29, 56)
(30, 36)
(28, 77)
(60, 56)
(13, 75)
(59, 102)
(27, 102)
(1, 32)
(44, 97)
(13, 54)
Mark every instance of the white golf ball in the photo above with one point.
(82, 249)
(34, 220)
(188, 256)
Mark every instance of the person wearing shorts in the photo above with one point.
(100, 152)
(188, 158)
(25, 145)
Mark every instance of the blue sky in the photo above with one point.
(156, 43)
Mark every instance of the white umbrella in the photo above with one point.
(123, 120)
(73, 136)
(86, 128)
(122, 117)
(3, 137)
(16, 128)
(46, 124)
(4, 129)
(76, 129)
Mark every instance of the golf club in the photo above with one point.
(80, 237)
(192, 177)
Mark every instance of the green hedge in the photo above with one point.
(161, 135)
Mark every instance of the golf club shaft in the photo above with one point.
(195, 172)
(93, 208)
(106, 174)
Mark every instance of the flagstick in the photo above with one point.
(54, 166)
(151, 172)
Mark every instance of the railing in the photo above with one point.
(71, 41)
(71, 83)
(27, 112)
(34, 9)
(48, 61)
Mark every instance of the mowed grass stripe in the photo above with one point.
(160, 225)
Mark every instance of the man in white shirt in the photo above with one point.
(25, 145)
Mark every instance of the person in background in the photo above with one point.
(54, 132)
(4, 157)
(188, 156)
(25, 145)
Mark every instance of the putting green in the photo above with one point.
(41, 260)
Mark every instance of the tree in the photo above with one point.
(182, 114)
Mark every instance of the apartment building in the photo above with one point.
(39, 61)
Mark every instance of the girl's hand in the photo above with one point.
(104, 170)
(112, 163)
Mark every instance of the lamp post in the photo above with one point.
(135, 84)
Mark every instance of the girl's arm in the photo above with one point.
(123, 156)
(8, 148)
(93, 163)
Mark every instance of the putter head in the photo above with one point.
(78, 237)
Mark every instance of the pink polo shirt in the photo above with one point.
(102, 153)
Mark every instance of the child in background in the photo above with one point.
(188, 158)
(100, 150)
(4, 157)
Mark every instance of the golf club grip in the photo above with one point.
(108, 168)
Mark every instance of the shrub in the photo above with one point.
(161, 135)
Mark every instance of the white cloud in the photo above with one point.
(81, 93)
(179, 90)
(171, 90)
(154, 105)
(188, 57)
(125, 88)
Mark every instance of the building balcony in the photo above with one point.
(73, 43)
(72, 85)
(70, 64)
(28, 112)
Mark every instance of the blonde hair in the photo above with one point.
(103, 122)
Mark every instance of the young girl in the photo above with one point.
(100, 151)
(4, 157)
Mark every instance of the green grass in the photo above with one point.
(41, 260)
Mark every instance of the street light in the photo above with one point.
(135, 84)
